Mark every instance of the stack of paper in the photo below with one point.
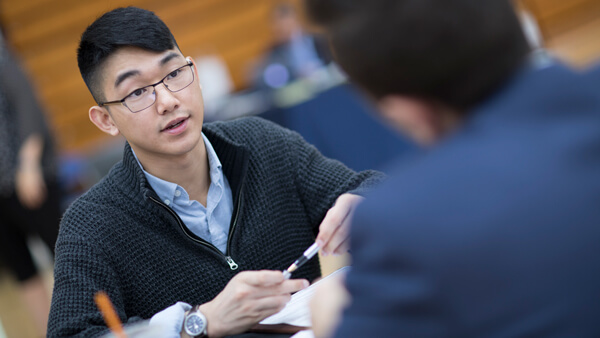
(297, 310)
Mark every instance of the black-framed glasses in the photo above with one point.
(144, 97)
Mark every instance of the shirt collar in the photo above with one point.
(166, 190)
(213, 160)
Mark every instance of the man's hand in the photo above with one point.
(333, 231)
(30, 187)
(326, 305)
(29, 178)
(248, 298)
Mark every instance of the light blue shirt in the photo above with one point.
(210, 222)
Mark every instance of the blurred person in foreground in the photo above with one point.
(492, 231)
(29, 190)
(172, 232)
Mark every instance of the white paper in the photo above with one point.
(304, 334)
(297, 311)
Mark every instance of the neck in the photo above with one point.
(448, 122)
(190, 171)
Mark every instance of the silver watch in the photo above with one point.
(195, 323)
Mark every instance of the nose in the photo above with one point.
(166, 101)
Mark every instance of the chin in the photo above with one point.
(189, 144)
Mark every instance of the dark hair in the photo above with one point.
(118, 28)
(455, 52)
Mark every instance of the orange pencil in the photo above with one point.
(109, 314)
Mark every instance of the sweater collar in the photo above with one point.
(234, 158)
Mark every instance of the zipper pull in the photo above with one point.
(232, 265)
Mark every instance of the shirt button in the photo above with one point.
(177, 193)
(167, 202)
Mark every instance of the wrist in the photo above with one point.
(195, 323)
(183, 334)
(213, 329)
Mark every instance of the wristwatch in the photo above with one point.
(195, 323)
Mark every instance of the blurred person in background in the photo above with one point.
(493, 230)
(29, 191)
(295, 54)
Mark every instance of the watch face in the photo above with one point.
(194, 324)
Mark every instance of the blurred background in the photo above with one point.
(255, 57)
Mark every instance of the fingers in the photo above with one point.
(249, 297)
(259, 309)
(293, 285)
(262, 277)
(342, 247)
(266, 283)
(285, 288)
(270, 305)
(330, 225)
(334, 229)
(340, 236)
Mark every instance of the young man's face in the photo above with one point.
(168, 128)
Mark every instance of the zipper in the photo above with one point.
(232, 264)
(233, 225)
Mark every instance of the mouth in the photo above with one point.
(175, 123)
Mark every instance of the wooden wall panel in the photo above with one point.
(570, 28)
(45, 33)
(559, 16)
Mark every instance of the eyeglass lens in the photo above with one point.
(143, 98)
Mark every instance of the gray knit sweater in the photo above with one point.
(119, 237)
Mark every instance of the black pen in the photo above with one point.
(307, 255)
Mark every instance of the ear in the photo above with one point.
(195, 68)
(413, 117)
(102, 119)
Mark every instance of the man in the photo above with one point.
(493, 231)
(188, 212)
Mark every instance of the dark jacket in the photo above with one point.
(495, 232)
(119, 237)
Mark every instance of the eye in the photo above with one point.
(174, 74)
(137, 93)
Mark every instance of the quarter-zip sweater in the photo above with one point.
(119, 237)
